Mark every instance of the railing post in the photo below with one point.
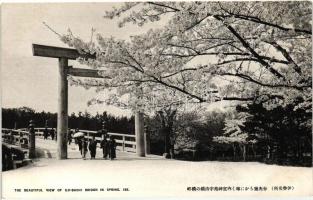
(104, 131)
(37, 131)
(31, 141)
(21, 137)
(123, 144)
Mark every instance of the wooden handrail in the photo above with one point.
(120, 142)
(93, 132)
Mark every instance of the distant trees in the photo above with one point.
(184, 130)
(283, 133)
(195, 130)
(21, 117)
(250, 132)
(235, 135)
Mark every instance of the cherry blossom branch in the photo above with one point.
(286, 55)
(162, 5)
(250, 49)
(249, 78)
(258, 20)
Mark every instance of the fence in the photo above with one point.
(15, 148)
(125, 142)
(18, 137)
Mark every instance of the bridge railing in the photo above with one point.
(125, 142)
(15, 146)
(15, 136)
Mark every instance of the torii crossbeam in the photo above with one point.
(65, 54)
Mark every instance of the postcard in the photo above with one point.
(156, 99)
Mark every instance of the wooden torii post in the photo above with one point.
(65, 54)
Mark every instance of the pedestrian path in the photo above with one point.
(48, 149)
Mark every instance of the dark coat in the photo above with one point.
(92, 146)
(45, 133)
(79, 144)
(112, 149)
(84, 145)
(52, 133)
(69, 135)
(104, 145)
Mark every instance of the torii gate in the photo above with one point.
(65, 54)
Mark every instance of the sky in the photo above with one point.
(32, 81)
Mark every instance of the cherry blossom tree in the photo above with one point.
(234, 135)
(206, 52)
(253, 50)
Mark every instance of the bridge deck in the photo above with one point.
(48, 149)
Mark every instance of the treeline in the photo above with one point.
(20, 117)
(280, 135)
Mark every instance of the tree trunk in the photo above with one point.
(167, 121)
(253, 151)
(268, 152)
(166, 140)
(244, 152)
(234, 151)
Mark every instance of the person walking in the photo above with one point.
(69, 136)
(52, 133)
(104, 146)
(84, 148)
(112, 148)
(45, 133)
(92, 148)
(78, 141)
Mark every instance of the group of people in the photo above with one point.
(108, 147)
(51, 133)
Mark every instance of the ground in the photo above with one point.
(149, 176)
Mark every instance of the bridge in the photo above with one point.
(19, 144)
